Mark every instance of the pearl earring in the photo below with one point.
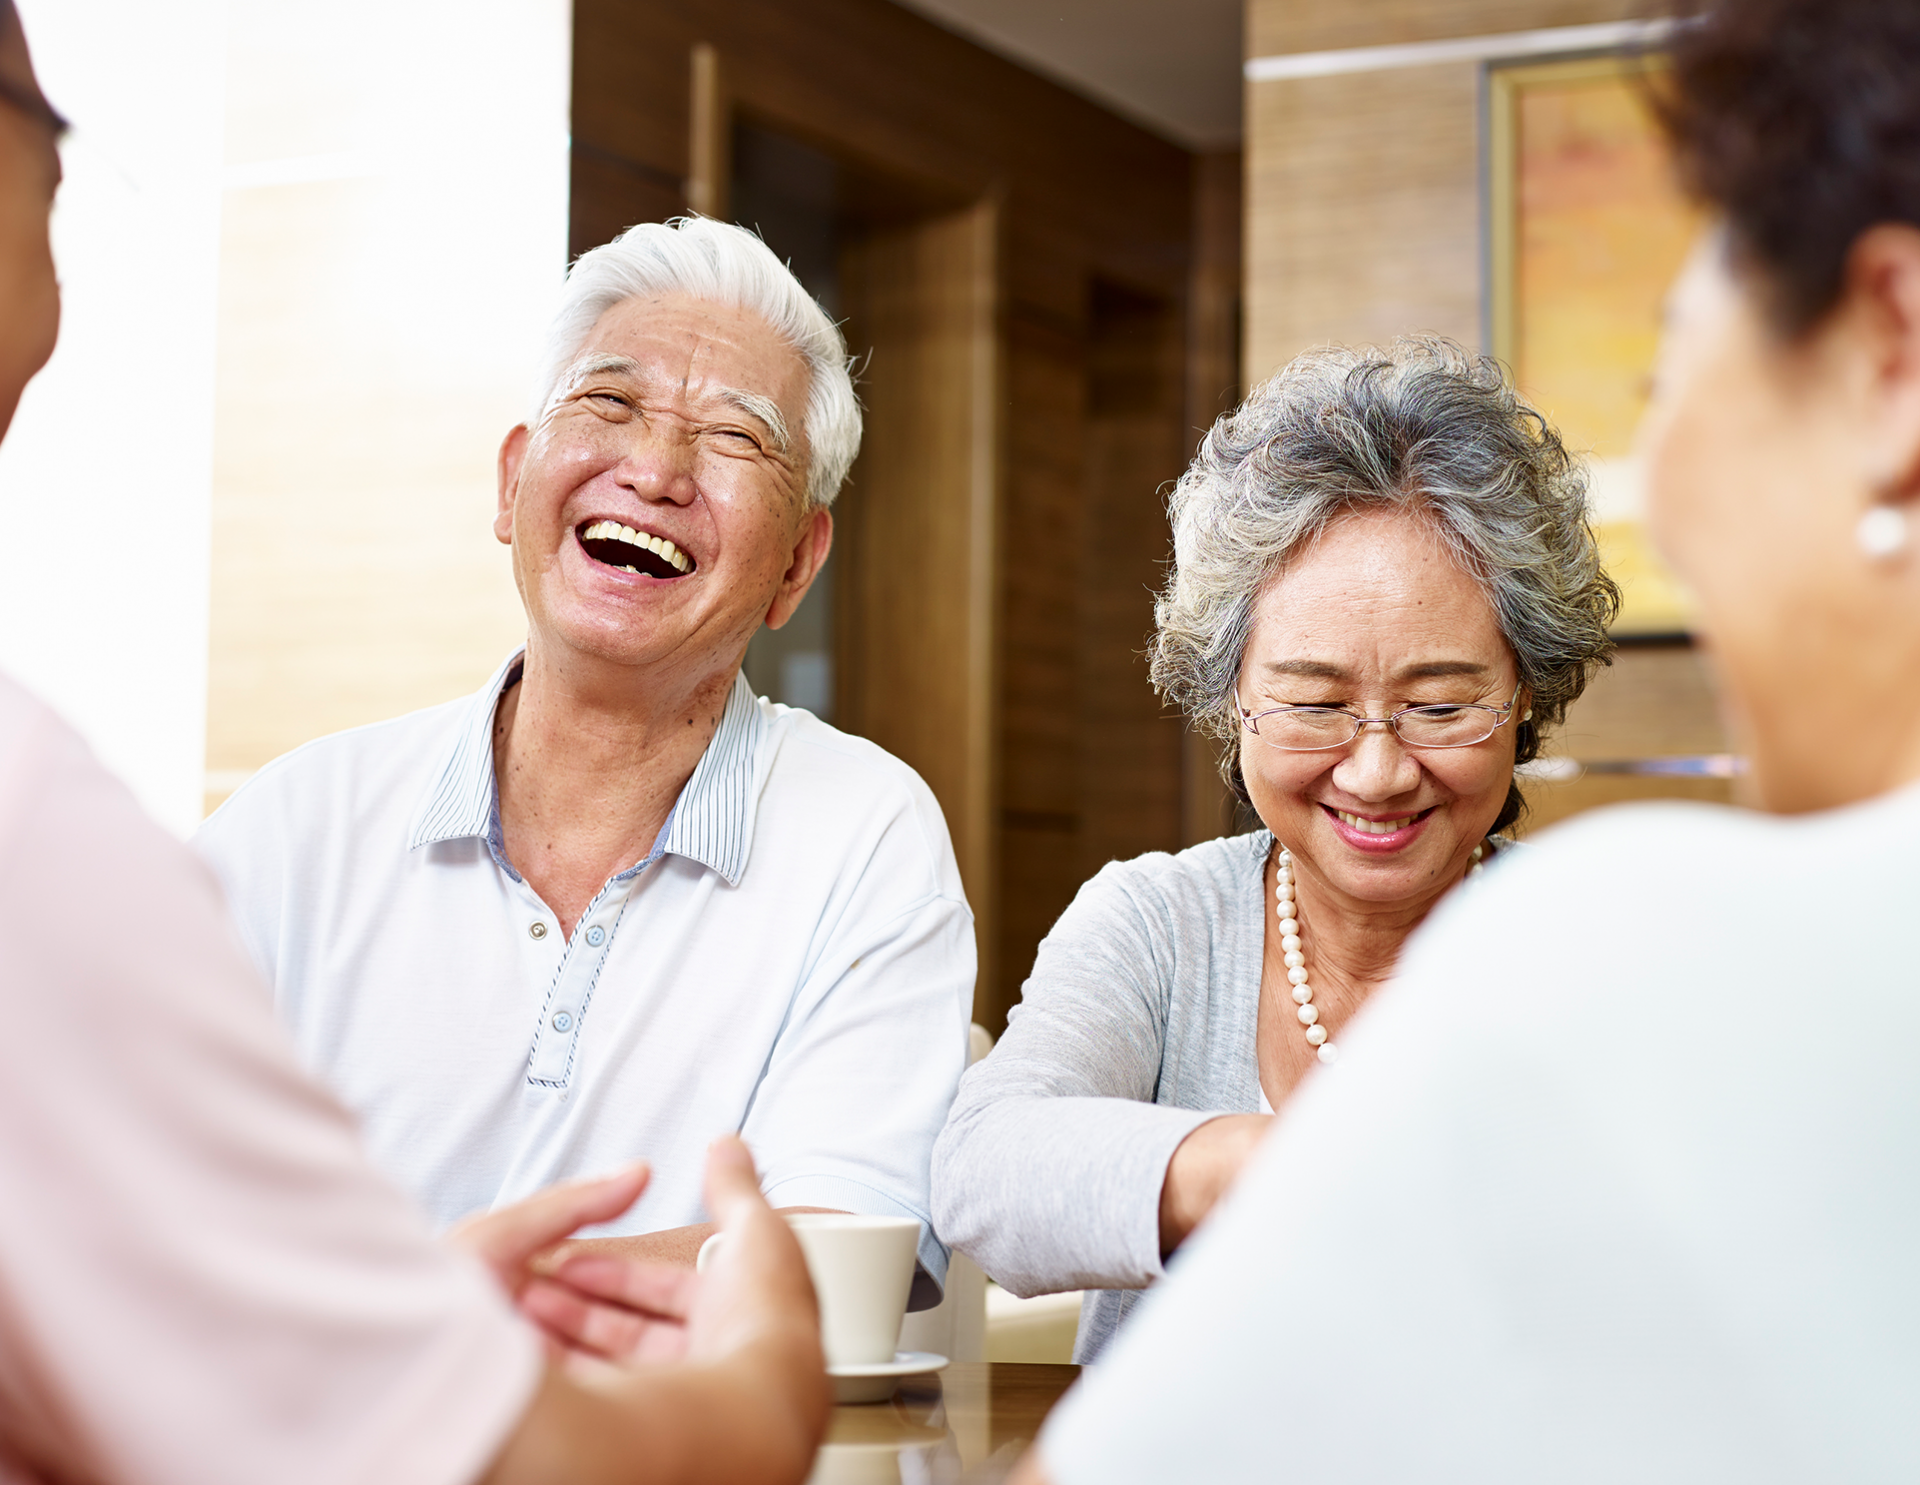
(1882, 532)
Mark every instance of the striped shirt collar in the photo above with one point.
(712, 821)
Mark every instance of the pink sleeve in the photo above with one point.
(201, 1281)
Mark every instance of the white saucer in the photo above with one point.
(875, 1382)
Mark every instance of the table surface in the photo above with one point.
(941, 1427)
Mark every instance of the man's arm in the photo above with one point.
(674, 1245)
(861, 1079)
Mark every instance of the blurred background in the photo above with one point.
(309, 252)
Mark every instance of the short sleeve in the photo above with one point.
(863, 1073)
(201, 1281)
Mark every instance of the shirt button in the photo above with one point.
(596, 935)
(537, 930)
(562, 1021)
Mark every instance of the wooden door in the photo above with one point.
(916, 596)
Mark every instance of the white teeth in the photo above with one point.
(1376, 827)
(659, 545)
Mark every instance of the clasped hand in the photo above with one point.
(616, 1309)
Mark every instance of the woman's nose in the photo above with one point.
(1377, 766)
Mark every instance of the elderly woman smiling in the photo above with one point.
(1385, 587)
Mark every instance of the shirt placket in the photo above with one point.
(557, 1036)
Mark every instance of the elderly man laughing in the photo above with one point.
(613, 904)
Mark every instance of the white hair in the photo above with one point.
(722, 264)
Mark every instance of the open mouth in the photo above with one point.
(634, 551)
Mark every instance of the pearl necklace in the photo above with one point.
(1308, 1012)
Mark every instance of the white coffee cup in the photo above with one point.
(862, 1271)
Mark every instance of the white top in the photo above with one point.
(793, 961)
(202, 1282)
(1620, 1181)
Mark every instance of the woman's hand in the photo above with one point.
(1205, 1165)
(755, 1292)
(517, 1242)
(747, 1398)
(1029, 1469)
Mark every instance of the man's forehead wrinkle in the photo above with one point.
(761, 405)
(653, 378)
(692, 380)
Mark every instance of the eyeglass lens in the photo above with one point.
(1303, 729)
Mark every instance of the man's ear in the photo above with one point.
(1881, 302)
(809, 556)
(513, 454)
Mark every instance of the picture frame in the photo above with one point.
(1585, 230)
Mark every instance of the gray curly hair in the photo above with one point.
(1426, 427)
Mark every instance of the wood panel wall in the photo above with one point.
(1276, 26)
(916, 569)
(1130, 745)
(1363, 222)
(1363, 189)
(1214, 314)
(1086, 204)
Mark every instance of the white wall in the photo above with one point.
(385, 175)
(393, 242)
(104, 478)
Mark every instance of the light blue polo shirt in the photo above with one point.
(793, 961)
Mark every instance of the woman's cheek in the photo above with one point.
(1477, 782)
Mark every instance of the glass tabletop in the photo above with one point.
(941, 1428)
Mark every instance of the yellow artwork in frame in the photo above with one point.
(1586, 231)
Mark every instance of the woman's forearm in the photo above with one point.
(1202, 1170)
(1050, 1193)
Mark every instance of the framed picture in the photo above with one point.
(1585, 232)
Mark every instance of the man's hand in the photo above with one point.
(1205, 1165)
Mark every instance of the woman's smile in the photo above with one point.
(1378, 834)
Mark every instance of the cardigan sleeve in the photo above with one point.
(1049, 1170)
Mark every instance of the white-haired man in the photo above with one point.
(613, 903)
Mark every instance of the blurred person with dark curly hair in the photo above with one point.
(1617, 1180)
(1384, 589)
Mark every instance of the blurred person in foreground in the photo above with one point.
(1384, 591)
(614, 904)
(201, 1280)
(1620, 1180)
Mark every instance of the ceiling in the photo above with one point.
(1171, 65)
